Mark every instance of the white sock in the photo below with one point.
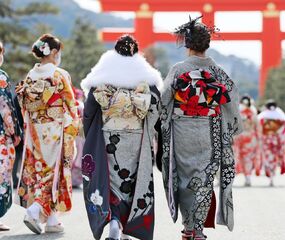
(114, 231)
(34, 211)
(125, 237)
(247, 180)
(52, 220)
(271, 181)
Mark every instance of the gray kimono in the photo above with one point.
(194, 148)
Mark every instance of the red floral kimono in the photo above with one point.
(246, 146)
(50, 118)
(272, 130)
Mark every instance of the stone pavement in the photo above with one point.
(259, 215)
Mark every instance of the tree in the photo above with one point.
(275, 85)
(157, 57)
(17, 38)
(82, 51)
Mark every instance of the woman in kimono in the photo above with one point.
(246, 145)
(76, 163)
(199, 118)
(10, 136)
(119, 117)
(50, 117)
(272, 130)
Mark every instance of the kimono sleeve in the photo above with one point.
(231, 111)
(7, 109)
(167, 93)
(91, 106)
(71, 114)
(231, 119)
(153, 112)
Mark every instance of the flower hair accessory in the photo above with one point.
(43, 47)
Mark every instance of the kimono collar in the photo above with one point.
(42, 71)
(120, 71)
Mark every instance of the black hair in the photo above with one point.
(271, 104)
(195, 35)
(52, 41)
(246, 100)
(127, 46)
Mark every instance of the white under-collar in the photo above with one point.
(42, 71)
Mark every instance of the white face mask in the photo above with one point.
(58, 59)
(1, 59)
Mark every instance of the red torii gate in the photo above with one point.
(271, 35)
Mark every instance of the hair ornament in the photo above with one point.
(184, 32)
(43, 47)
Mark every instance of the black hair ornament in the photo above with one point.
(184, 32)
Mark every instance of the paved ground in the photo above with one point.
(260, 215)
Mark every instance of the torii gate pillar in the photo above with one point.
(144, 26)
(271, 44)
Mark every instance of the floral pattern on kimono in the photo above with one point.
(51, 126)
(9, 131)
(272, 143)
(246, 145)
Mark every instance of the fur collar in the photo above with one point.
(120, 71)
(276, 114)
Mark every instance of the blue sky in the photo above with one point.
(226, 21)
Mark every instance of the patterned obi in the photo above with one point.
(197, 93)
(42, 100)
(271, 126)
(123, 109)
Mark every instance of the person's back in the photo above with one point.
(272, 138)
(51, 125)
(119, 117)
(199, 118)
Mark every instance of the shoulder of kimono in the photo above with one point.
(64, 74)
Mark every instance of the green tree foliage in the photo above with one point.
(82, 51)
(17, 38)
(275, 86)
(5, 8)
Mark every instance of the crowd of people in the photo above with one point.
(191, 118)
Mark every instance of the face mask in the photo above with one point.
(1, 59)
(58, 59)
